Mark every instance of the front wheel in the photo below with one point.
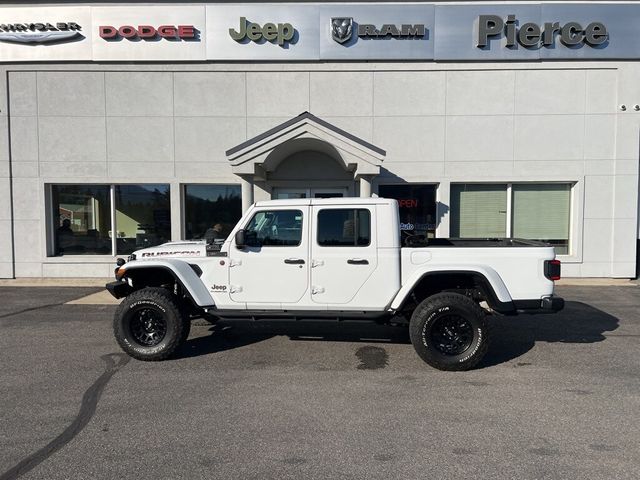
(449, 331)
(149, 325)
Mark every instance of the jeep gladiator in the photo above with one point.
(338, 258)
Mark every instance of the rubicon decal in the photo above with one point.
(39, 32)
(185, 253)
(149, 32)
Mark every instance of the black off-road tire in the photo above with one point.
(159, 305)
(449, 331)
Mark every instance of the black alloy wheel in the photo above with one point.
(148, 326)
(451, 334)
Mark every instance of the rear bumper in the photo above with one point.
(118, 289)
(548, 304)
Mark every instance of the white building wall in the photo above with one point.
(438, 123)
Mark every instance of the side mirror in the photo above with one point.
(240, 240)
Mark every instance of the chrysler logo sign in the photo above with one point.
(342, 30)
(39, 32)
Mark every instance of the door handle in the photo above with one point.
(294, 261)
(358, 261)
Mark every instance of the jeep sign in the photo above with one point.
(280, 33)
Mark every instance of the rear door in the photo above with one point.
(274, 269)
(343, 252)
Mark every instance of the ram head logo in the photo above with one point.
(341, 29)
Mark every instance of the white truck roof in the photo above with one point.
(327, 201)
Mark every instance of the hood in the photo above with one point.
(185, 248)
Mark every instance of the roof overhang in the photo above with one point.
(264, 152)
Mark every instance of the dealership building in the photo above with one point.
(125, 126)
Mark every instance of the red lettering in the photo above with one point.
(186, 31)
(127, 31)
(167, 31)
(107, 32)
(408, 202)
(146, 31)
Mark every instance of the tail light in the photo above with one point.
(552, 269)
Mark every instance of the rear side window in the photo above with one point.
(347, 227)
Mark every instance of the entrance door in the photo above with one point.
(329, 192)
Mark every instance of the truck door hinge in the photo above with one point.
(317, 263)
(234, 263)
(235, 288)
(316, 290)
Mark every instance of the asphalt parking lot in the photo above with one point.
(557, 396)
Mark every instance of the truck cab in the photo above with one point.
(310, 254)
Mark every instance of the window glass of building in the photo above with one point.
(275, 228)
(478, 211)
(211, 211)
(82, 219)
(344, 227)
(541, 212)
(143, 216)
(417, 205)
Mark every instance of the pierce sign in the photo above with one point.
(533, 35)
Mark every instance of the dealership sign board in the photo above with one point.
(376, 32)
(148, 33)
(322, 32)
(45, 34)
(262, 32)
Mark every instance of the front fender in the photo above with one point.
(183, 274)
(490, 275)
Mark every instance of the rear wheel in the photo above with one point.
(449, 331)
(149, 324)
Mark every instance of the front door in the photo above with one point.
(328, 192)
(273, 269)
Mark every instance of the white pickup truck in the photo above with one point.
(338, 258)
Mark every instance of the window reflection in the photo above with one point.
(417, 206)
(211, 211)
(143, 216)
(82, 216)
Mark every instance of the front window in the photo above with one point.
(280, 228)
(82, 219)
(143, 216)
(417, 207)
(541, 212)
(211, 211)
(537, 211)
(478, 210)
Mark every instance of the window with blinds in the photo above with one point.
(478, 210)
(538, 211)
(541, 212)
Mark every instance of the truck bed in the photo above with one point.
(480, 242)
